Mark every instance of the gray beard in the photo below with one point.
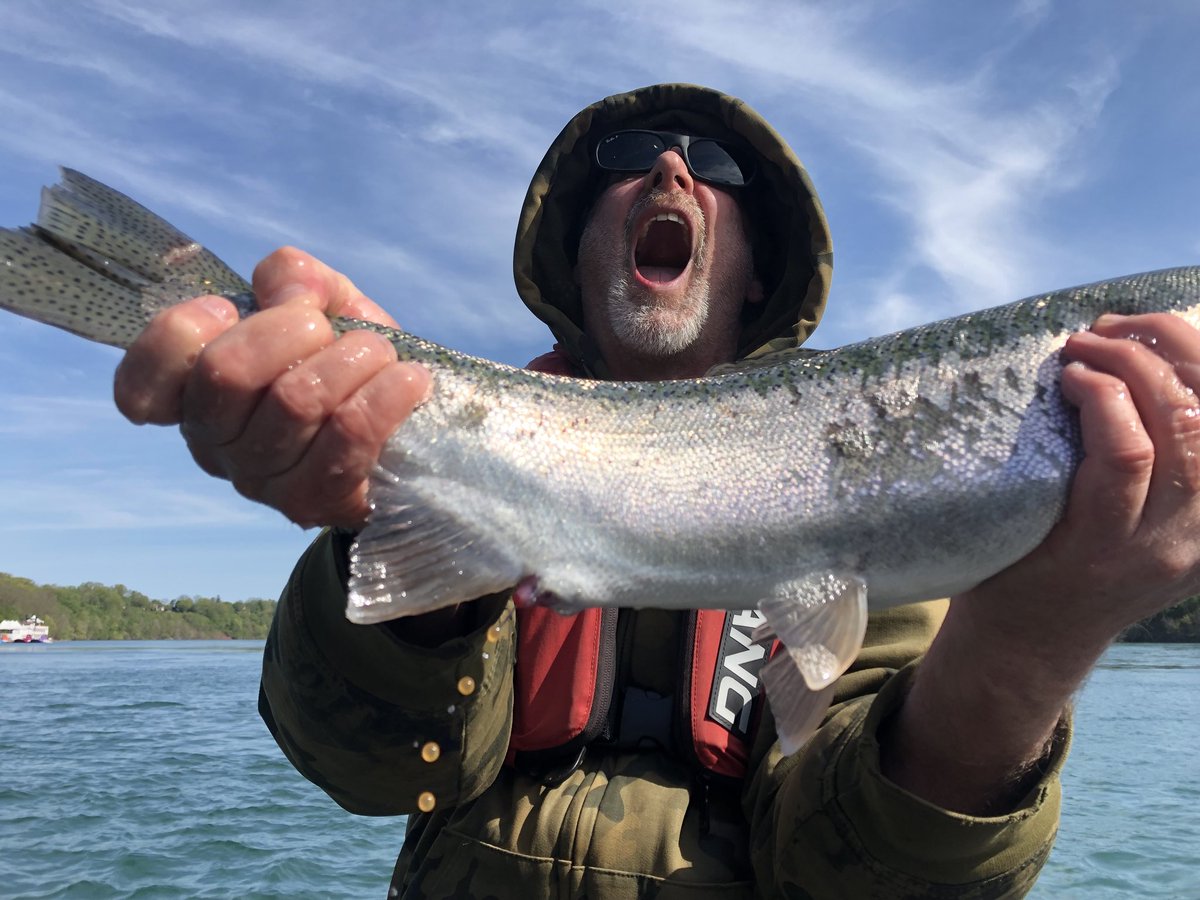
(638, 319)
(650, 329)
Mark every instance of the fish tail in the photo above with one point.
(100, 265)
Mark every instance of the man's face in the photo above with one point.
(664, 265)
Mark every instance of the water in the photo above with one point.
(141, 769)
(1131, 816)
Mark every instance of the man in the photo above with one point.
(666, 231)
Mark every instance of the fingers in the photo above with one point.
(1127, 545)
(289, 272)
(148, 384)
(274, 403)
(1167, 335)
(231, 374)
(294, 418)
(295, 405)
(1151, 355)
(328, 484)
(1110, 488)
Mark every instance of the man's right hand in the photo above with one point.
(273, 403)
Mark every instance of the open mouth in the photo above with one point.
(663, 249)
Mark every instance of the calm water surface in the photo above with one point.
(1131, 819)
(141, 769)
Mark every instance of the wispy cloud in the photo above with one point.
(104, 499)
(961, 161)
(51, 417)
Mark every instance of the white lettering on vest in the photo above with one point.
(736, 682)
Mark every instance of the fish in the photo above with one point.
(809, 486)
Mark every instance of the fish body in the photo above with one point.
(921, 462)
(921, 478)
(809, 485)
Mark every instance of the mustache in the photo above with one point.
(675, 200)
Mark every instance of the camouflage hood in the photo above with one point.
(793, 253)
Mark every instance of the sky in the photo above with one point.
(966, 154)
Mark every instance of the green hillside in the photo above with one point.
(98, 612)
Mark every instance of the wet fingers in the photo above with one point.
(1158, 359)
(328, 485)
(298, 403)
(234, 371)
(288, 272)
(149, 382)
(1109, 492)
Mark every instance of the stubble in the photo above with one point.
(647, 322)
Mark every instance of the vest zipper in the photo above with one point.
(600, 719)
(682, 708)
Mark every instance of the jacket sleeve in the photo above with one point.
(825, 822)
(382, 726)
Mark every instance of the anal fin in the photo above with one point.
(820, 620)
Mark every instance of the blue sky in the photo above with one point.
(967, 155)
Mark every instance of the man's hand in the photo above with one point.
(1129, 542)
(1014, 649)
(294, 418)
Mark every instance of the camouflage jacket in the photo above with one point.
(386, 728)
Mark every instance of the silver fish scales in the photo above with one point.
(901, 468)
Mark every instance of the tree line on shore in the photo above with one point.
(98, 612)
(1179, 624)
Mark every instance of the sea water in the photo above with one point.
(141, 769)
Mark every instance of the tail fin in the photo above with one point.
(100, 265)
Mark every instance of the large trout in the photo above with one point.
(901, 468)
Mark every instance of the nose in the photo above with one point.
(670, 173)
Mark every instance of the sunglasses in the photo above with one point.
(708, 159)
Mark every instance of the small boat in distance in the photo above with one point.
(32, 631)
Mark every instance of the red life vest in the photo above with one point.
(565, 679)
(566, 675)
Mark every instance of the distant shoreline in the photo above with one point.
(98, 612)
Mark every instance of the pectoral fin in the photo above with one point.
(820, 620)
(415, 556)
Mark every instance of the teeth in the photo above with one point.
(664, 217)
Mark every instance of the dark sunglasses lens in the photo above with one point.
(629, 151)
(713, 162)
